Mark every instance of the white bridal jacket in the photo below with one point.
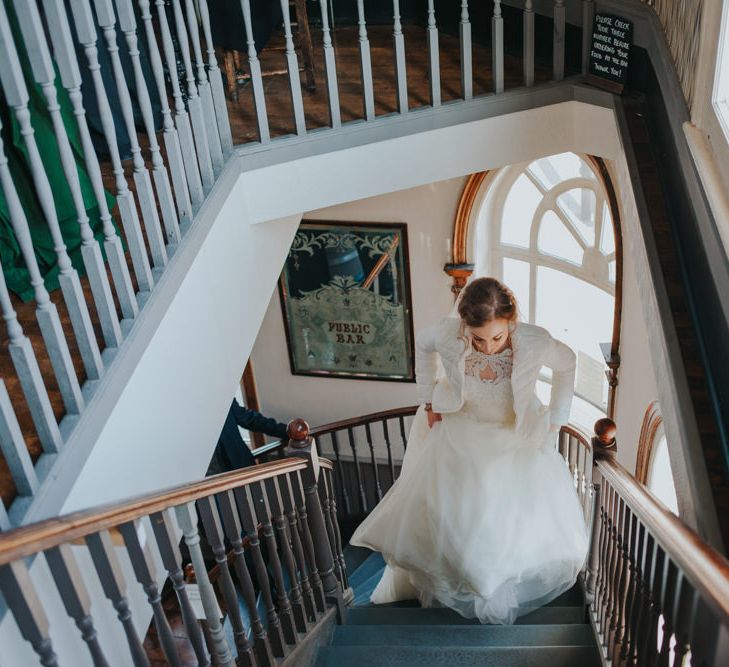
(533, 347)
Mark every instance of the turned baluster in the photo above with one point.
(388, 444)
(167, 543)
(400, 67)
(365, 59)
(22, 599)
(267, 644)
(297, 488)
(270, 489)
(287, 496)
(636, 537)
(254, 65)
(292, 65)
(375, 468)
(364, 505)
(75, 598)
(251, 514)
(340, 475)
(214, 535)
(327, 510)
(146, 574)
(112, 581)
(669, 595)
(464, 32)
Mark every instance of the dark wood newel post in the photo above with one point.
(603, 446)
(303, 446)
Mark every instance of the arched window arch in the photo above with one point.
(653, 465)
(549, 229)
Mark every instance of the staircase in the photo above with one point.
(405, 634)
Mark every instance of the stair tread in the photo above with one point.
(402, 656)
(383, 615)
(558, 634)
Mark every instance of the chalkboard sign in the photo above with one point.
(609, 51)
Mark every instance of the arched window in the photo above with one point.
(545, 228)
(653, 466)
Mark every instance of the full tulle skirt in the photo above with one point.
(481, 520)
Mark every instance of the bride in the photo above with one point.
(484, 518)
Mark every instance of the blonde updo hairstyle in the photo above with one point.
(486, 299)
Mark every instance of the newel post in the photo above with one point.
(302, 445)
(603, 446)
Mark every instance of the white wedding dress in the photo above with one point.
(481, 520)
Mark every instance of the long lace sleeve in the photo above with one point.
(561, 359)
(426, 363)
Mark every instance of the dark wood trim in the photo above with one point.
(364, 419)
(613, 362)
(407, 291)
(462, 221)
(652, 421)
(250, 397)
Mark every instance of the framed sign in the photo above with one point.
(345, 296)
(610, 52)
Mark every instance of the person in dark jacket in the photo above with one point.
(231, 451)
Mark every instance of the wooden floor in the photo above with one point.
(243, 123)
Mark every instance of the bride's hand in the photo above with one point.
(433, 417)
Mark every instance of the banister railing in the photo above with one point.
(155, 62)
(656, 591)
(65, 60)
(268, 532)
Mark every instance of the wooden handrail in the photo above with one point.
(29, 540)
(364, 419)
(702, 565)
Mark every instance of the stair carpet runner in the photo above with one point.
(403, 634)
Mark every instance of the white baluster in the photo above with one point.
(143, 182)
(204, 90)
(466, 53)
(128, 26)
(194, 103)
(13, 446)
(365, 60)
(292, 64)
(184, 129)
(434, 56)
(558, 40)
(330, 65)
(400, 68)
(31, 28)
(528, 38)
(259, 99)
(216, 83)
(20, 348)
(187, 520)
(36, 47)
(65, 57)
(86, 32)
(16, 95)
(497, 47)
(171, 138)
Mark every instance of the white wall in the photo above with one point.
(429, 211)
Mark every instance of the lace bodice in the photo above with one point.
(488, 395)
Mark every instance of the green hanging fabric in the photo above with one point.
(14, 268)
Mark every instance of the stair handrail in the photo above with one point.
(33, 538)
(284, 505)
(650, 577)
